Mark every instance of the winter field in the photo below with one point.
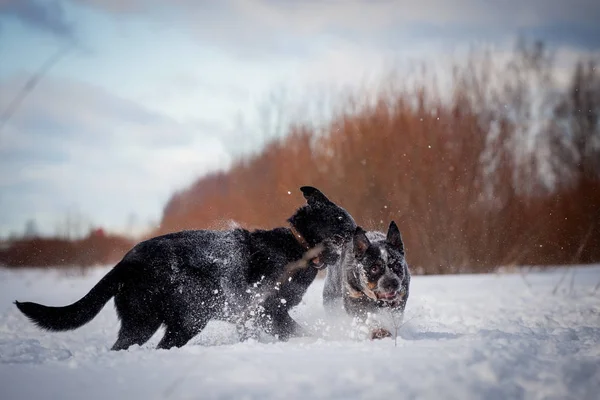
(496, 336)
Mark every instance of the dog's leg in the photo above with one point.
(285, 327)
(249, 319)
(380, 333)
(274, 321)
(138, 321)
(252, 320)
(135, 332)
(177, 336)
(365, 323)
(245, 325)
(246, 330)
(274, 318)
(183, 326)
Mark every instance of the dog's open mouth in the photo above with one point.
(388, 296)
(390, 299)
(317, 263)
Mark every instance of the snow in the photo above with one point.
(493, 336)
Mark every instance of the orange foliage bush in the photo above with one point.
(57, 252)
(415, 158)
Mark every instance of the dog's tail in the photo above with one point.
(79, 313)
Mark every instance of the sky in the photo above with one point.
(146, 96)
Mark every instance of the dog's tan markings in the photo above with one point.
(372, 285)
(365, 284)
(355, 294)
(371, 295)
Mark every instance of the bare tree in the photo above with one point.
(31, 229)
(579, 111)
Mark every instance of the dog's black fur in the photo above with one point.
(372, 274)
(185, 279)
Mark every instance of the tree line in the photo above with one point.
(500, 166)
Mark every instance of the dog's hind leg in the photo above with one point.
(177, 335)
(135, 332)
(139, 320)
(186, 318)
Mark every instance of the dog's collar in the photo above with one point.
(299, 237)
(315, 261)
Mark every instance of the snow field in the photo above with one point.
(495, 336)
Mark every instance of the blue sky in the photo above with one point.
(152, 94)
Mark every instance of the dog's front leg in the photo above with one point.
(282, 326)
(285, 327)
(246, 328)
(367, 320)
(388, 323)
(249, 321)
(277, 321)
(368, 327)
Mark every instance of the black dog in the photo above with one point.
(187, 278)
(371, 275)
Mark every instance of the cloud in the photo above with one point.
(263, 28)
(187, 83)
(285, 26)
(73, 143)
(47, 16)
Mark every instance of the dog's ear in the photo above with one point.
(361, 242)
(394, 238)
(313, 195)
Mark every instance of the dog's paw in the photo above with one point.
(380, 333)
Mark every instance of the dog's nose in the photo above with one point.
(390, 285)
(329, 256)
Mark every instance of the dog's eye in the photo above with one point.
(375, 269)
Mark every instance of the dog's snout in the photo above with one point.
(329, 256)
(338, 240)
(390, 285)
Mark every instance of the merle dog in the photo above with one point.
(185, 279)
(372, 274)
